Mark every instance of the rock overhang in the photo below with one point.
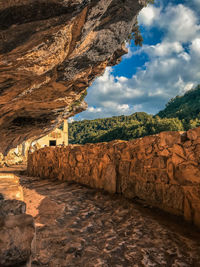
(50, 53)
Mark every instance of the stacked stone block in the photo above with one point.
(162, 170)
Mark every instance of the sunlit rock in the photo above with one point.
(17, 229)
(160, 170)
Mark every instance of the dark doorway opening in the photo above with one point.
(52, 143)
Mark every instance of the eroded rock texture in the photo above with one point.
(16, 228)
(161, 170)
(50, 52)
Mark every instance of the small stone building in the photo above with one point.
(55, 138)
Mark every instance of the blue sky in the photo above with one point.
(168, 63)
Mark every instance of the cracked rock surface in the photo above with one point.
(50, 52)
(16, 227)
(78, 226)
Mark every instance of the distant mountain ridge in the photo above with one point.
(181, 113)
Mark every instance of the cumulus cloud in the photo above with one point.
(149, 15)
(195, 47)
(179, 22)
(163, 49)
(94, 110)
(171, 68)
(183, 25)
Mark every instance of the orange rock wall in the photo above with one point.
(162, 170)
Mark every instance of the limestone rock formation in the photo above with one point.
(17, 229)
(50, 52)
(162, 170)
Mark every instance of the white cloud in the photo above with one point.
(167, 48)
(148, 15)
(195, 47)
(181, 23)
(182, 87)
(122, 79)
(130, 52)
(110, 105)
(94, 110)
(184, 56)
(162, 49)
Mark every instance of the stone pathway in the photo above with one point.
(78, 226)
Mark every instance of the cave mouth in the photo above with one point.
(28, 121)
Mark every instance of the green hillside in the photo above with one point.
(186, 108)
(181, 113)
(122, 127)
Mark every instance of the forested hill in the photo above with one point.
(185, 107)
(181, 113)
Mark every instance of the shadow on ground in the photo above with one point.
(80, 226)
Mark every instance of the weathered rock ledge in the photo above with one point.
(162, 170)
(50, 52)
(17, 229)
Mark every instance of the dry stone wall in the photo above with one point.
(162, 170)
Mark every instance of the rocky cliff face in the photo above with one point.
(50, 52)
(161, 170)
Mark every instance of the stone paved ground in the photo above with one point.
(78, 226)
